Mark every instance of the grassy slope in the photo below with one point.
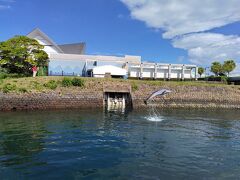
(37, 84)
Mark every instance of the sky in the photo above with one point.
(165, 31)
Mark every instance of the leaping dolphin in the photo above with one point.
(160, 92)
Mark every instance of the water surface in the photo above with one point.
(80, 144)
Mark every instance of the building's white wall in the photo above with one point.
(163, 67)
(47, 46)
(148, 73)
(113, 70)
(75, 64)
(101, 59)
(70, 64)
(188, 74)
(98, 76)
(134, 72)
(162, 72)
(176, 74)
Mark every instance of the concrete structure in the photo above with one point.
(102, 71)
(82, 65)
(163, 71)
(70, 59)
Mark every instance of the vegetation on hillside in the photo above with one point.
(76, 84)
(39, 84)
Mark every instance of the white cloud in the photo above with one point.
(4, 4)
(236, 72)
(4, 7)
(186, 22)
(178, 17)
(204, 48)
(7, 1)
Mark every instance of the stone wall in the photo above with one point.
(191, 97)
(92, 97)
(83, 99)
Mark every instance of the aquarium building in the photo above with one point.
(71, 60)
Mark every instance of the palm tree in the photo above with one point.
(216, 68)
(200, 71)
(229, 66)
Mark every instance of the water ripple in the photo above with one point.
(145, 144)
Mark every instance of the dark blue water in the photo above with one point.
(96, 145)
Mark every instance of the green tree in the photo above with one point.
(217, 68)
(200, 71)
(229, 66)
(20, 53)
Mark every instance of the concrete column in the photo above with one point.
(169, 71)
(191, 74)
(155, 71)
(108, 102)
(86, 68)
(127, 66)
(183, 71)
(123, 103)
(141, 70)
(127, 69)
(196, 72)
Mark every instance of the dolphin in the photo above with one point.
(160, 92)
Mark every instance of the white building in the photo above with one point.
(70, 59)
(101, 71)
(163, 71)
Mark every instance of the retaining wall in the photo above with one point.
(191, 97)
(92, 97)
(81, 100)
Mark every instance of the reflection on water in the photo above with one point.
(95, 144)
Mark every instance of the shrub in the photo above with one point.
(9, 87)
(22, 90)
(134, 87)
(3, 70)
(15, 75)
(218, 78)
(51, 84)
(201, 79)
(36, 85)
(3, 75)
(42, 71)
(224, 79)
(78, 82)
(66, 82)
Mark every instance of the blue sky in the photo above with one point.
(157, 30)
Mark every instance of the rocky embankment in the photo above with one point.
(91, 96)
(186, 96)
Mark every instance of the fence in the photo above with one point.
(62, 73)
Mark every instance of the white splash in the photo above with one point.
(154, 115)
(154, 118)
